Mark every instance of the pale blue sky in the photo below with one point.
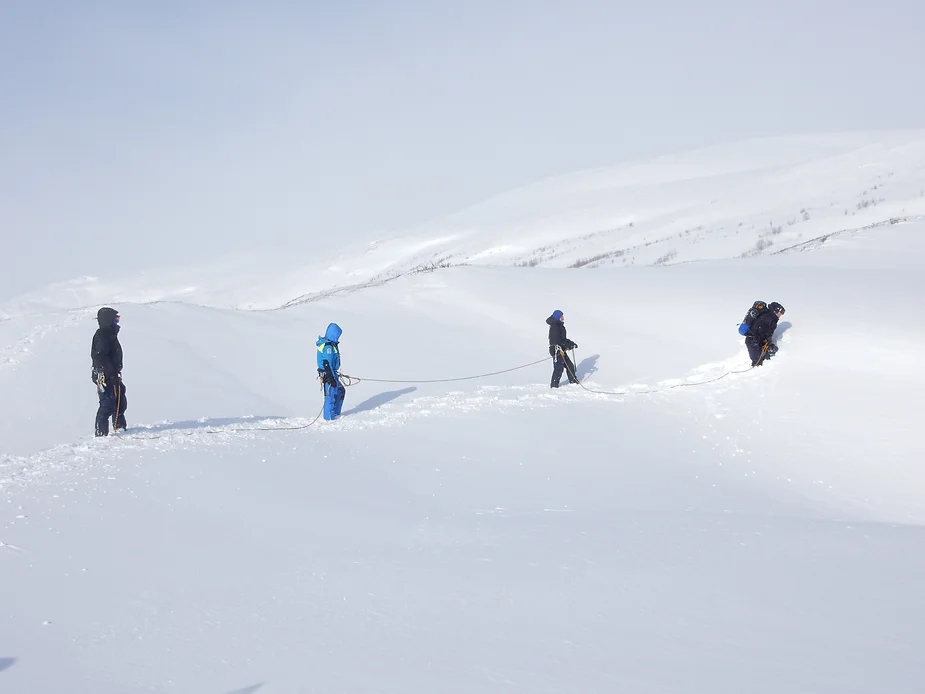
(134, 133)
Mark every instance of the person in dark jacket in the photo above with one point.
(559, 344)
(758, 338)
(106, 353)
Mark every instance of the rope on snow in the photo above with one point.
(353, 380)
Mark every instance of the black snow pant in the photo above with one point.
(112, 406)
(754, 350)
(561, 361)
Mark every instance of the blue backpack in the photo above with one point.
(746, 325)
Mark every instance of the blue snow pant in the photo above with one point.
(112, 406)
(333, 400)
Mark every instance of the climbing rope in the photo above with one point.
(349, 381)
(116, 386)
(654, 390)
(354, 380)
(243, 429)
(764, 351)
(233, 430)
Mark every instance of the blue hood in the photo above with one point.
(332, 334)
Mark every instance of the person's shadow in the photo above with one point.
(379, 400)
(587, 366)
(6, 663)
(781, 329)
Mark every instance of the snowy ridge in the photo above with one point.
(746, 199)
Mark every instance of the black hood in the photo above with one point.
(106, 316)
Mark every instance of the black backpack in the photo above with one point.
(757, 308)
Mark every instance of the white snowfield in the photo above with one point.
(678, 523)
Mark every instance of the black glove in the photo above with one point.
(574, 345)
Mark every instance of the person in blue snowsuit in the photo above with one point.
(328, 368)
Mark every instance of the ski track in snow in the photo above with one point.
(13, 354)
(98, 457)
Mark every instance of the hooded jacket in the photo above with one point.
(763, 327)
(328, 350)
(557, 334)
(105, 351)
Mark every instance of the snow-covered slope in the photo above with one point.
(753, 198)
(679, 523)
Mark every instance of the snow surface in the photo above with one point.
(708, 528)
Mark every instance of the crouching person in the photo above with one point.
(758, 328)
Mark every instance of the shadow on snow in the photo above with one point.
(379, 400)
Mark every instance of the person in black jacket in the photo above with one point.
(758, 337)
(106, 353)
(559, 344)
